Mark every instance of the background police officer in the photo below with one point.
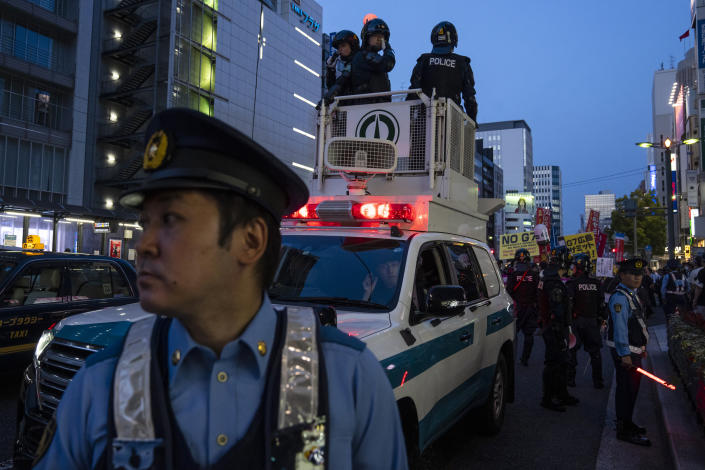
(674, 287)
(554, 305)
(207, 382)
(372, 63)
(450, 74)
(522, 285)
(588, 317)
(627, 338)
(338, 65)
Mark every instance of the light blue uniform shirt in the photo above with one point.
(365, 430)
(620, 319)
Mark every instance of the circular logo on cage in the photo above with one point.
(378, 124)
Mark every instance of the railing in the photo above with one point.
(440, 134)
(35, 111)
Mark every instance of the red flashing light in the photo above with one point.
(383, 211)
(403, 379)
(614, 250)
(305, 212)
(52, 326)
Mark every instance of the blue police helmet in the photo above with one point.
(374, 26)
(349, 37)
(444, 34)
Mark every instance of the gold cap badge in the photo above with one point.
(262, 347)
(155, 154)
(638, 264)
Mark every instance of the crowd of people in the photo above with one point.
(360, 66)
(573, 309)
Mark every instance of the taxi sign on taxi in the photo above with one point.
(509, 243)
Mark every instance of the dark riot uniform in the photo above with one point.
(554, 305)
(368, 74)
(588, 315)
(450, 74)
(522, 285)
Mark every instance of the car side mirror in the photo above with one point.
(446, 301)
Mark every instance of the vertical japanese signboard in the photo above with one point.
(543, 217)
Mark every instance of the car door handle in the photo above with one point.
(466, 337)
(496, 321)
(483, 304)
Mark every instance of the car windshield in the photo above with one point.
(353, 272)
(5, 267)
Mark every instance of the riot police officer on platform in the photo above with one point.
(627, 337)
(372, 63)
(449, 73)
(522, 285)
(338, 65)
(588, 317)
(204, 380)
(554, 305)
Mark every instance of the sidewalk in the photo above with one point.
(684, 435)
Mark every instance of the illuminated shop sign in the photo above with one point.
(305, 17)
(652, 177)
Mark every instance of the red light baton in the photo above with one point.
(655, 379)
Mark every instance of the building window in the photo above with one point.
(32, 47)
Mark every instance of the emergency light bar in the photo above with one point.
(350, 211)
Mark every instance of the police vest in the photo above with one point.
(586, 297)
(637, 333)
(289, 430)
(675, 285)
(444, 72)
(554, 302)
(524, 287)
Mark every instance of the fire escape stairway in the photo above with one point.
(133, 83)
(130, 168)
(127, 133)
(125, 10)
(132, 42)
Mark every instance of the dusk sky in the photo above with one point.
(579, 73)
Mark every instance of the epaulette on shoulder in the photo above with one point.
(329, 334)
(111, 352)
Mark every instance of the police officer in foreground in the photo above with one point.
(216, 377)
(522, 285)
(372, 63)
(674, 287)
(554, 305)
(449, 73)
(627, 337)
(588, 317)
(338, 65)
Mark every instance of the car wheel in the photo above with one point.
(492, 413)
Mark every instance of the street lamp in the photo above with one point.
(666, 145)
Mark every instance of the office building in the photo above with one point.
(513, 152)
(81, 79)
(489, 179)
(602, 202)
(549, 194)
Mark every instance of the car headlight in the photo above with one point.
(43, 342)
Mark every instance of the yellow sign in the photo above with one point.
(582, 243)
(687, 252)
(509, 243)
(33, 243)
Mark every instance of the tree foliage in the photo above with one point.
(650, 224)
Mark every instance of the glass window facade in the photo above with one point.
(31, 166)
(33, 103)
(194, 64)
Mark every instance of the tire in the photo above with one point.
(491, 415)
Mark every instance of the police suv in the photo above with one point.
(388, 242)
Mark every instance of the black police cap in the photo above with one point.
(187, 149)
(633, 265)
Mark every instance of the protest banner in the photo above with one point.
(604, 267)
(581, 243)
(619, 246)
(543, 217)
(509, 243)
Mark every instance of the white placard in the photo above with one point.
(127, 235)
(604, 267)
(131, 254)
